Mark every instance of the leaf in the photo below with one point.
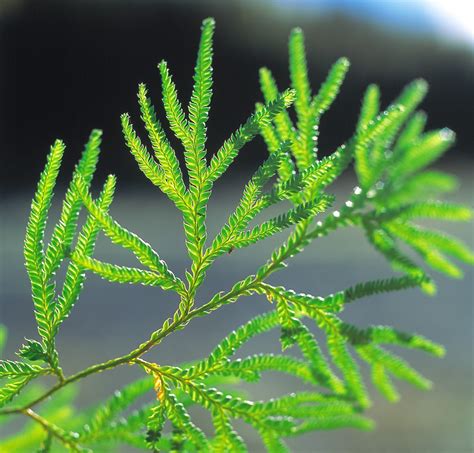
(42, 292)
(173, 185)
(174, 111)
(108, 411)
(14, 386)
(228, 151)
(199, 106)
(120, 236)
(65, 229)
(9, 368)
(75, 275)
(147, 165)
(120, 274)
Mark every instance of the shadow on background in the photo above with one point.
(70, 66)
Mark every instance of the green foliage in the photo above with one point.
(390, 151)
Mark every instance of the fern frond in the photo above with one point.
(370, 107)
(409, 99)
(330, 87)
(400, 262)
(147, 165)
(10, 368)
(388, 335)
(438, 210)
(383, 383)
(155, 423)
(3, 338)
(119, 274)
(425, 249)
(349, 369)
(283, 124)
(178, 415)
(418, 187)
(75, 276)
(199, 105)
(394, 364)
(368, 112)
(175, 188)
(275, 225)
(173, 108)
(42, 289)
(412, 130)
(299, 73)
(422, 152)
(226, 438)
(228, 151)
(13, 386)
(334, 422)
(381, 286)
(250, 368)
(65, 229)
(120, 236)
(107, 412)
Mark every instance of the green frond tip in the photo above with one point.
(173, 108)
(9, 368)
(13, 387)
(299, 72)
(85, 245)
(119, 274)
(229, 150)
(370, 107)
(65, 229)
(380, 286)
(3, 338)
(120, 236)
(172, 183)
(145, 162)
(422, 152)
(200, 103)
(42, 290)
(331, 86)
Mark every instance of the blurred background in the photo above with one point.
(68, 66)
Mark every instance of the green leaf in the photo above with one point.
(146, 163)
(32, 350)
(394, 364)
(299, 73)
(13, 386)
(174, 111)
(120, 236)
(228, 151)
(10, 368)
(65, 229)
(199, 105)
(178, 415)
(120, 274)
(108, 411)
(3, 338)
(75, 276)
(173, 185)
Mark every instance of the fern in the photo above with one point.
(390, 151)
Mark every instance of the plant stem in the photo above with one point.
(181, 321)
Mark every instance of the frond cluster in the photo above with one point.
(391, 153)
